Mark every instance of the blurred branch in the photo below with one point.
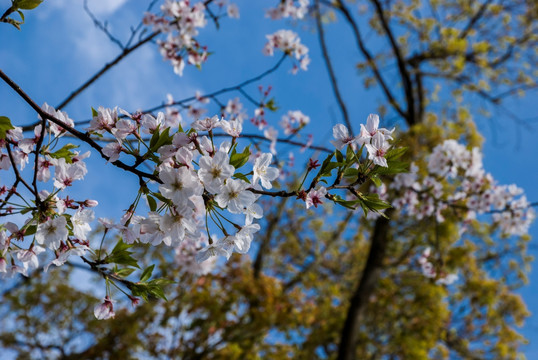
(102, 26)
(365, 287)
(237, 87)
(335, 236)
(105, 68)
(81, 136)
(339, 5)
(404, 74)
(481, 11)
(330, 69)
(272, 223)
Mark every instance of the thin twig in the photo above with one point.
(330, 70)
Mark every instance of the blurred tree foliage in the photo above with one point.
(317, 284)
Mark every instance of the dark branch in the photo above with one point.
(105, 68)
(81, 136)
(330, 69)
(404, 74)
(365, 287)
(371, 62)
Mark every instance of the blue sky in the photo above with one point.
(59, 48)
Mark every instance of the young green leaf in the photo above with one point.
(26, 4)
(121, 256)
(147, 273)
(124, 272)
(239, 159)
(241, 176)
(65, 152)
(5, 125)
(152, 203)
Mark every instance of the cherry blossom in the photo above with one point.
(81, 223)
(263, 172)
(342, 137)
(314, 197)
(235, 197)
(179, 185)
(287, 8)
(105, 310)
(52, 232)
(214, 170)
(290, 43)
(377, 149)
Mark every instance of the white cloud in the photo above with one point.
(105, 7)
(98, 7)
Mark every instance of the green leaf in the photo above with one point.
(326, 162)
(241, 176)
(21, 15)
(239, 159)
(154, 139)
(339, 156)
(271, 105)
(140, 290)
(162, 198)
(124, 272)
(147, 273)
(120, 255)
(396, 153)
(26, 4)
(65, 152)
(394, 167)
(26, 210)
(373, 203)
(5, 125)
(94, 112)
(329, 168)
(351, 173)
(324, 169)
(346, 203)
(376, 180)
(30, 230)
(350, 155)
(164, 139)
(152, 203)
(151, 289)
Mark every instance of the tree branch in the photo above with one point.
(371, 62)
(404, 74)
(365, 287)
(105, 68)
(272, 224)
(81, 136)
(330, 69)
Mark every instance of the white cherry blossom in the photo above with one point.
(263, 172)
(52, 232)
(214, 170)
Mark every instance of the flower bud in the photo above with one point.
(90, 203)
(105, 310)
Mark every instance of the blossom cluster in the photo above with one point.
(180, 21)
(472, 190)
(290, 43)
(197, 177)
(289, 8)
(294, 121)
(375, 139)
(59, 216)
(429, 271)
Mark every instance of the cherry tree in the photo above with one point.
(208, 188)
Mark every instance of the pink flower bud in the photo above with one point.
(90, 203)
(105, 310)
